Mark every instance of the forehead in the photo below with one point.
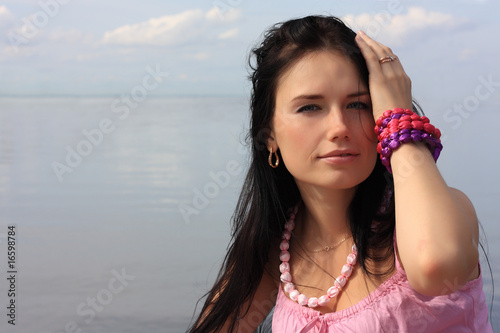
(317, 71)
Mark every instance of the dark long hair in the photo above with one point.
(269, 195)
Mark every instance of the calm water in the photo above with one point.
(102, 244)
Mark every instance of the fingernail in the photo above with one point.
(360, 32)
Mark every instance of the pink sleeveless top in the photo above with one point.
(393, 307)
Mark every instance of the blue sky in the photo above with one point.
(75, 47)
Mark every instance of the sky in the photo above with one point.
(91, 47)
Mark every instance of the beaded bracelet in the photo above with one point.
(399, 126)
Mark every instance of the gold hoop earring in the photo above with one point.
(270, 159)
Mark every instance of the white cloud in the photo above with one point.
(229, 34)
(419, 18)
(165, 30)
(6, 17)
(216, 14)
(172, 30)
(394, 28)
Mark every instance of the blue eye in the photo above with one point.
(358, 105)
(308, 108)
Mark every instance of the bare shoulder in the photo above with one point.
(256, 310)
(267, 291)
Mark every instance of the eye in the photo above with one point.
(309, 108)
(358, 106)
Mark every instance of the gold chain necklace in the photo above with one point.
(330, 247)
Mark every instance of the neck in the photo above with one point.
(323, 217)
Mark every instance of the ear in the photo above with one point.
(272, 145)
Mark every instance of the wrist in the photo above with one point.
(402, 126)
(409, 156)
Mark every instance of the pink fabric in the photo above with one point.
(393, 307)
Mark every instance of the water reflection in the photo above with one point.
(119, 208)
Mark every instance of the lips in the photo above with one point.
(340, 153)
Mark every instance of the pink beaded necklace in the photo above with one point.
(286, 276)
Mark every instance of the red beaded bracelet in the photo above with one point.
(399, 126)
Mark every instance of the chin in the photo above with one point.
(349, 181)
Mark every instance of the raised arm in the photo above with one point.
(436, 226)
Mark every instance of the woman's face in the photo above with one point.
(323, 122)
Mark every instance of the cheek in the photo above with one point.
(289, 133)
(293, 144)
(296, 145)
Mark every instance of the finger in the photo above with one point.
(381, 52)
(379, 49)
(371, 58)
(373, 53)
(389, 84)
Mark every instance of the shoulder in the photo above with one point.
(267, 291)
(264, 298)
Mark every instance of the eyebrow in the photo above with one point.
(317, 96)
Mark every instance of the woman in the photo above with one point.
(326, 234)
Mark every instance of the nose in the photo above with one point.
(337, 123)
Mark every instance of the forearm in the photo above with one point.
(436, 227)
(437, 236)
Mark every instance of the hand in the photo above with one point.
(390, 87)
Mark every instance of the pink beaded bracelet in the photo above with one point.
(399, 126)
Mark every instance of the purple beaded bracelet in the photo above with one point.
(400, 126)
